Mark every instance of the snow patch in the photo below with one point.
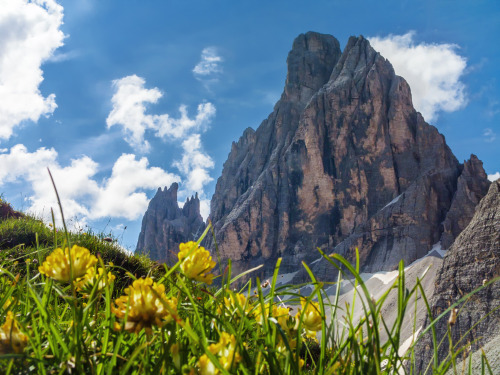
(406, 345)
(285, 278)
(316, 261)
(393, 201)
(385, 276)
(437, 248)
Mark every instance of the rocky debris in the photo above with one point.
(473, 258)
(343, 161)
(165, 225)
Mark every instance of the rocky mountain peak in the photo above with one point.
(165, 224)
(310, 63)
(358, 56)
(344, 161)
(474, 167)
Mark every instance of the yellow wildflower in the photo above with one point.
(147, 305)
(11, 338)
(197, 264)
(311, 320)
(86, 283)
(235, 303)
(282, 315)
(225, 351)
(260, 314)
(57, 264)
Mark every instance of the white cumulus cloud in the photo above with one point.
(121, 195)
(129, 111)
(210, 63)
(29, 35)
(180, 127)
(432, 70)
(494, 176)
(194, 164)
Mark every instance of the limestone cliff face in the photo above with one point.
(473, 257)
(165, 225)
(343, 161)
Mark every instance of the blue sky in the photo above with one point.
(119, 98)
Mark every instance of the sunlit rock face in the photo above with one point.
(165, 225)
(343, 161)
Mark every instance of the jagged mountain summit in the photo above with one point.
(165, 225)
(343, 161)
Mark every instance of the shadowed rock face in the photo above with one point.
(342, 143)
(165, 225)
(473, 257)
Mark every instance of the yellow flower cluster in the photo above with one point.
(282, 316)
(196, 262)
(86, 283)
(224, 351)
(57, 265)
(11, 338)
(311, 319)
(234, 305)
(146, 304)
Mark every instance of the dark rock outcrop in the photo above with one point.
(473, 258)
(6, 211)
(343, 161)
(471, 187)
(165, 225)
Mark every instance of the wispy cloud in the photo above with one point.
(493, 108)
(209, 68)
(489, 135)
(29, 35)
(432, 70)
(120, 195)
(494, 176)
(63, 56)
(130, 112)
(209, 64)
